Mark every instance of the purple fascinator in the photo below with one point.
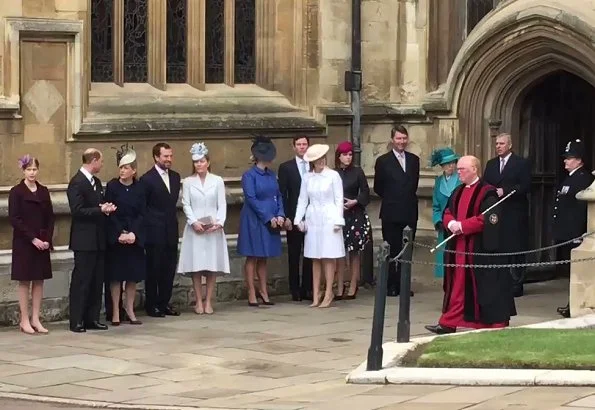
(24, 161)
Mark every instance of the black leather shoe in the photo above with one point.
(392, 292)
(307, 296)
(296, 297)
(96, 326)
(440, 330)
(562, 308)
(78, 328)
(564, 312)
(169, 311)
(518, 292)
(154, 312)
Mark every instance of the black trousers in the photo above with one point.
(563, 254)
(517, 274)
(295, 246)
(161, 269)
(86, 286)
(393, 234)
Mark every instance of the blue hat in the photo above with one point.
(443, 156)
(263, 149)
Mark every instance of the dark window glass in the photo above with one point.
(176, 41)
(102, 57)
(214, 41)
(245, 41)
(135, 41)
(476, 10)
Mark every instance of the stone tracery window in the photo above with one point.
(176, 41)
(173, 41)
(135, 41)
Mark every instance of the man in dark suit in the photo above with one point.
(87, 241)
(162, 186)
(570, 214)
(508, 172)
(290, 181)
(396, 177)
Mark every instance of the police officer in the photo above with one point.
(570, 214)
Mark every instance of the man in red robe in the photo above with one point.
(474, 297)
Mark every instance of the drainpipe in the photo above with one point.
(353, 85)
(353, 79)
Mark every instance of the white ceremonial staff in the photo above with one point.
(483, 213)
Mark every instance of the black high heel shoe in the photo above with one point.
(342, 295)
(351, 297)
(264, 302)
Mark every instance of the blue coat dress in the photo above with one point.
(442, 190)
(262, 202)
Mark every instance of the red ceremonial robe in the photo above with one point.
(475, 298)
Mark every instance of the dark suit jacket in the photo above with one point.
(87, 229)
(161, 220)
(290, 183)
(516, 175)
(397, 188)
(570, 214)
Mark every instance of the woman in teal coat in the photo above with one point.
(443, 187)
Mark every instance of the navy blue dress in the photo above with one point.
(262, 202)
(125, 262)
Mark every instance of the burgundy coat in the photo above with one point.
(31, 216)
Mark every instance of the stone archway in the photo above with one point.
(507, 58)
(518, 45)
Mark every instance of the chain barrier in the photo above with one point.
(538, 250)
(493, 266)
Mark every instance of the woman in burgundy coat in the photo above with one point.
(32, 219)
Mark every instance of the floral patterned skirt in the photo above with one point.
(357, 230)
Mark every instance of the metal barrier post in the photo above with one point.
(404, 325)
(375, 351)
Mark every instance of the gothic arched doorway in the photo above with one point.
(558, 108)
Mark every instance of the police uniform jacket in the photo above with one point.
(570, 214)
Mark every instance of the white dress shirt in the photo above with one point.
(164, 176)
(302, 165)
(504, 160)
(401, 158)
(89, 176)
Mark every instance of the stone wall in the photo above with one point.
(49, 108)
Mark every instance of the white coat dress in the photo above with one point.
(321, 203)
(204, 251)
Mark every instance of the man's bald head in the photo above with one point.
(468, 168)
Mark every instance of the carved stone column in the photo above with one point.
(494, 124)
(196, 43)
(265, 43)
(118, 42)
(229, 60)
(582, 280)
(157, 41)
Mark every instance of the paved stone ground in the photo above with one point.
(283, 357)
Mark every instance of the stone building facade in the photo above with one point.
(82, 73)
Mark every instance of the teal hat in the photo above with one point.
(443, 156)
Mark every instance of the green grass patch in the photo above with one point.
(512, 349)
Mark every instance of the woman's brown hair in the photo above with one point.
(208, 168)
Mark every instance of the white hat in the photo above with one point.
(199, 151)
(315, 152)
(125, 155)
